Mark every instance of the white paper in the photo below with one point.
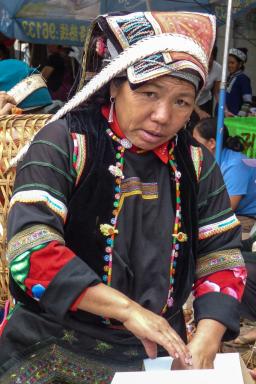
(227, 369)
(159, 364)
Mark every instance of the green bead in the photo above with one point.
(118, 156)
(116, 204)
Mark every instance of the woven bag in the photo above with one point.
(15, 132)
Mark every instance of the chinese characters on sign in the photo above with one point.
(46, 31)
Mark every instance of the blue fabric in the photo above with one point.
(12, 72)
(240, 179)
(238, 86)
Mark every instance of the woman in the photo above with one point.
(239, 90)
(104, 219)
(241, 190)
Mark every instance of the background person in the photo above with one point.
(239, 90)
(210, 92)
(27, 88)
(239, 177)
(105, 215)
(59, 71)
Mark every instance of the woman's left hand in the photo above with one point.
(202, 356)
(204, 345)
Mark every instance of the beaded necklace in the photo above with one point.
(111, 230)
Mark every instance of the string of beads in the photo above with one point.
(111, 230)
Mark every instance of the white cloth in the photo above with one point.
(213, 75)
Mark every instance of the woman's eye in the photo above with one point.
(182, 103)
(150, 94)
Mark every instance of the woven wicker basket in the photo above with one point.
(15, 132)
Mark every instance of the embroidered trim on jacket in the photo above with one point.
(30, 238)
(219, 261)
(217, 228)
(197, 158)
(38, 196)
(79, 155)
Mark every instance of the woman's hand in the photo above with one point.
(152, 329)
(204, 345)
(228, 113)
(201, 113)
(6, 103)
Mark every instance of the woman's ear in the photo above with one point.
(212, 144)
(113, 89)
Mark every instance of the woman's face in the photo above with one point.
(153, 113)
(233, 64)
(209, 144)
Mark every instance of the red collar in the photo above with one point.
(161, 151)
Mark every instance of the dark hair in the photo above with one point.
(207, 128)
(214, 52)
(4, 52)
(245, 51)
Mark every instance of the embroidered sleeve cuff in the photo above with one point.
(220, 307)
(66, 286)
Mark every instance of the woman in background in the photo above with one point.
(239, 90)
(239, 178)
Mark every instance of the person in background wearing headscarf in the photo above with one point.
(239, 90)
(23, 90)
(115, 216)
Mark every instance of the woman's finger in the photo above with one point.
(150, 348)
(176, 349)
(178, 343)
(5, 99)
(6, 109)
(171, 343)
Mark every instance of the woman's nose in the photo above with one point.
(162, 113)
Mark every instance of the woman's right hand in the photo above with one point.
(6, 103)
(154, 330)
(228, 113)
(148, 327)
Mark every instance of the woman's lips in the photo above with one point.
(150, 136)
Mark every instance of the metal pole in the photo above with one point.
(222, 94)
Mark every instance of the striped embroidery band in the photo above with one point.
(38, 196)
(217, 228)
(218, 261)
(79, 155)
(148, 190)
(197, 158)
(31, 237)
